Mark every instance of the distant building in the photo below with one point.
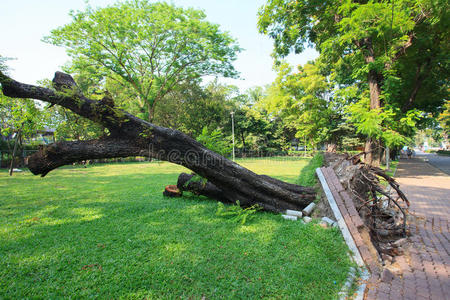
(46, 136)
(42, 136)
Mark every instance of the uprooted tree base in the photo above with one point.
(377, 197)
(131, 136)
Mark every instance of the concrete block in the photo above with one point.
(308, 210)
(287, 217)
(307, 219)
(294, 213)
(329, 221)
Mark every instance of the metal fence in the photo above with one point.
(19, 159)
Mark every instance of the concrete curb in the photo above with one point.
(355, 255)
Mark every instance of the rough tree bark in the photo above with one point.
(131, 136)
(373, 145)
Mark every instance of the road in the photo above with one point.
(439, 161)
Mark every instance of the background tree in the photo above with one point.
(191, 107)
(70, 126)
(389, 50)
(301, 99)
(258, 133)
(444, 122)
(19, 119)
(147, 48)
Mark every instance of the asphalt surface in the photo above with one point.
(441, 162)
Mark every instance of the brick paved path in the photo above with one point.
(423, 272)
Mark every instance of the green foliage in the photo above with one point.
(303, 101)
(20, 114)
(70, 126)
(3, 66)
(383, 123)
(259, 131)
(184, 106)
(236, 212)
(432, 136)
(196, 178)
(214, 140)
(146, 48)
(444, 119)
(402, 45)
(308, 173)
(16, 115)
(85, 232)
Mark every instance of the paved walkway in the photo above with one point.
(423, 272)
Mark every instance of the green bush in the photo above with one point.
(308, 173)
(214, 141)
(443, 152)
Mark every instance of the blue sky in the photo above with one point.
(25, 22)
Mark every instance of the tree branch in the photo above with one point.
(421, 74)
(400, 51)
(63, 153)
(70, 98)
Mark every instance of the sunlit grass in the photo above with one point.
(106, 231)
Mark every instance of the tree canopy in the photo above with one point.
(147, 48)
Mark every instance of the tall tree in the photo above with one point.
(19, 118)
(258, 132)
(145, 47)
(390, 49)
(301, 99)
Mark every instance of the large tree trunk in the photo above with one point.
(131, 136)
(373, 145)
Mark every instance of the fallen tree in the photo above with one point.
(131, 136)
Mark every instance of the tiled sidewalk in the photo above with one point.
(423, 272)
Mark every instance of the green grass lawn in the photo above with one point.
(393, 164)
(106, 231)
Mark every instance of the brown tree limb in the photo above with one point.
(64, 153)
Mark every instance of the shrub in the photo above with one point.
(214, 141)
(443, 152)
(237, 213)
